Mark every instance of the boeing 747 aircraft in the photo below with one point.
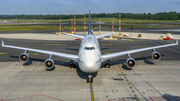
(89, 57)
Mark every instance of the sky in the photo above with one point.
(13, 7)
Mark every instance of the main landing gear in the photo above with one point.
(90, 79)
(107, 64)
(72, 65)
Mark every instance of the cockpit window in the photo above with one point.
(89, 48)
(86, 48)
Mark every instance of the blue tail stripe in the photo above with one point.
(89, 31)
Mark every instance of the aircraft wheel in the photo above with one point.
(91, 80)
(71, 66)
(87, 80)
(109, 66)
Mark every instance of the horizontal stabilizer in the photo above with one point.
(103, 35)
(75, 35)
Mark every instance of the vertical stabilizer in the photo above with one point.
(89, 31)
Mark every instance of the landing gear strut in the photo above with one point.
(90, 79)
(72, 65)
(107, 64)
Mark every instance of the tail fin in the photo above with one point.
(89, 31)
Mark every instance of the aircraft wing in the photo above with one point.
(64, 55)
(113, 55)
(103, 35)
(75, 35)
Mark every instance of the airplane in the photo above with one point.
(89, 58)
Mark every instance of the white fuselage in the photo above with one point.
(89, 55)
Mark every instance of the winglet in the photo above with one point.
(2, 43)
(176, 41)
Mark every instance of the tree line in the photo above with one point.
(144, 16)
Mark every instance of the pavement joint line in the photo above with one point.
(13, 73)
(91, 89)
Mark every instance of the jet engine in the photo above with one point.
(156, 56)
(23, 57)
(130, 62)
(49, 63)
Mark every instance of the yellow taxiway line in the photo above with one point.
(92, 95)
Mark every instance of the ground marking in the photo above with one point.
(35, 53)
(127, 82)
(2, 53)
(92, 95)
(64, 44)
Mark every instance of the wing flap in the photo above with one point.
(64, 55)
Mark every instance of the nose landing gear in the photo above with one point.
(90, 79)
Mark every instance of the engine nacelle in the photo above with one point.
(130, 62)
(49, 63)
(156, 56)
(24, 57)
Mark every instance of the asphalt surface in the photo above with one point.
(147, 81)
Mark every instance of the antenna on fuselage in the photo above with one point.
(89, 31)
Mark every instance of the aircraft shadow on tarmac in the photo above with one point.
(80, 73)
(124, 61)
(169, 97)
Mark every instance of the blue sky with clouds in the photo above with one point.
(83, 6)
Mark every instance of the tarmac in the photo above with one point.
(147, 81)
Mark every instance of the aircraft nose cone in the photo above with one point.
(89, 64)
